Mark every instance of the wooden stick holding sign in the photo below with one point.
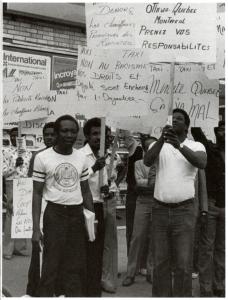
(114, 148)
(170, 111)
(102, 149)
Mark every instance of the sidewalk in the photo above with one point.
(15, 271)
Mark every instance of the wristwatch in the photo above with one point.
(181, 146)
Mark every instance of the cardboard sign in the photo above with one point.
(22, 208)
(168, 31)
(24, 98)
(193, 92)
(112, 82)
(171, 31)
(217, 70)
(110, 25)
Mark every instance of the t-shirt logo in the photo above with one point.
(66, 175)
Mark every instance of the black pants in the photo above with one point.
(95, 256)
(65, 250)
(34, 271)
(130, 214)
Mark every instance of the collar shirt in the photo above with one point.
(94, 177)
(10, 155)
(175, 175)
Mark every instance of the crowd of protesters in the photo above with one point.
(175, 210)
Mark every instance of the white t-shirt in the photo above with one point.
(62, 175)
(175, 176)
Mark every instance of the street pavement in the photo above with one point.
(15, 271)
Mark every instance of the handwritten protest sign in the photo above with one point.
(112, 81)
(110, 25)
(22, 208)
(217, 70)
(24, 98)
(193, 92)
(169, 31)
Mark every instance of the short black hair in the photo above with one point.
(63, 118)
(183, 112)
(48, 125)
(13, 129)
(94, 122)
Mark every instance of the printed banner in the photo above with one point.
(22, 208)
(18, 64)
(25, 98)
(63, 73)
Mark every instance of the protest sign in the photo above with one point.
(217, 70)
(22, 208)
(193, 92)
(110, 25)
(112, 81)
(24, 98)
(169, 31)
(18, 64)
(60, 102)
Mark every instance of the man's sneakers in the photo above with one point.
(128, 281)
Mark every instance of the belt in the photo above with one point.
(173, 205)
(63, 206)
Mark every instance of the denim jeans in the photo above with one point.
(130, 214)
(212, 253)
(172, 248)
(110, 254)
(139, 237)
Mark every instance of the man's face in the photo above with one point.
(94, 138)
(13, 137)
(220, 134)
(49, 137)
(179, 125)
(108, 139)
(68, 132)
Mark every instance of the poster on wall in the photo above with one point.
(63, 75)
(18, 64)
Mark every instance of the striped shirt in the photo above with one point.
(61, 175)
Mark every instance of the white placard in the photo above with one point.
(24, 98)
(112, 82)
(110, 25)
(177, 31)
(183, 32)
(217, 70)
(193, 92)
(22, 208)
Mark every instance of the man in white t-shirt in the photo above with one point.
(177, 160)
(60, 176)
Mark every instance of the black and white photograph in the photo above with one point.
(113, 149)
